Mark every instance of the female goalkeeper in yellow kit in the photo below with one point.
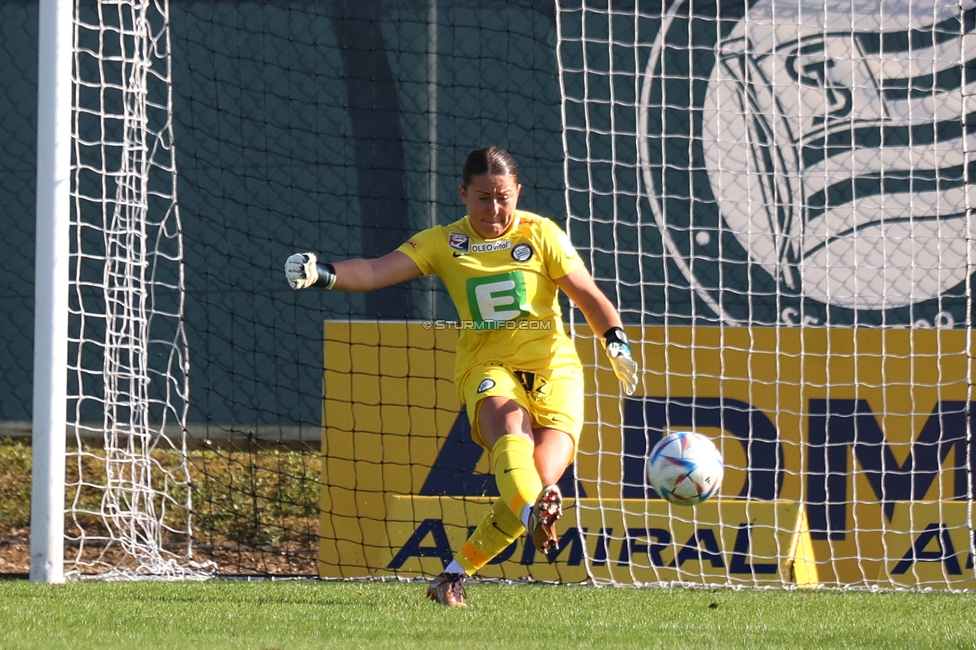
(517, 372)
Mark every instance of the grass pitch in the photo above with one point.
(312, 614)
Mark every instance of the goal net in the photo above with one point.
(778, 194)
(128, 483)
(775, 193)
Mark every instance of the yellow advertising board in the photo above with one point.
(635, 541)
(929, 544)
(844, 432)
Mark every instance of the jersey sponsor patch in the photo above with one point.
(495, 299)
(486, 384)
(458, 241)
(522, 253)
(491, 246)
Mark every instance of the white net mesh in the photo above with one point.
(780, 193)
(777, 195)
(128, 480)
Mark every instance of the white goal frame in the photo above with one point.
(51, 291)
(111, 358)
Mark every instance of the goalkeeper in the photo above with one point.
(516, 371)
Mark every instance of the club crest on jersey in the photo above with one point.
(486, 384)
(810, 155)
(458, 241)
(522, 253)
(489, 247)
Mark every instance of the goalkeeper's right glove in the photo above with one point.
(621, 360)
(303, 270)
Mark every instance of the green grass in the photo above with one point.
(307, 614)
(15, 485)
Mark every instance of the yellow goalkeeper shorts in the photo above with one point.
(553, 398)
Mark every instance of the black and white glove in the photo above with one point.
(303, 270)
(621, 360)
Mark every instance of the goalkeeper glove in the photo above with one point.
(623, 364)
(303, 270)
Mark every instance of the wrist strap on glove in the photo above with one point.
(327, 275)
(616, 335)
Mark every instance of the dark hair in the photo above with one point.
(493, 161)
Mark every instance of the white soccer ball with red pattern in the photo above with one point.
(685, 468)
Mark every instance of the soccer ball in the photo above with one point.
(685, 468)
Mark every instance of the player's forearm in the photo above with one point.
(600, 314)
(604, 320)
(355, 275)
(304, 270)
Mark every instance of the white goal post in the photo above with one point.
(111, 353)
(51, 291)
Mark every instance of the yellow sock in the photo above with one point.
(515, 473)
(498, 528)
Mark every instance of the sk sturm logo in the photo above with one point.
(522, 253)
(815, 168)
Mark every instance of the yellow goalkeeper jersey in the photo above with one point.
(503, 290)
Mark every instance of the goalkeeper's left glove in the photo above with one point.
(621, 360)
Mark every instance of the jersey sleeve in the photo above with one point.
(422, 249)
(562, 258)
